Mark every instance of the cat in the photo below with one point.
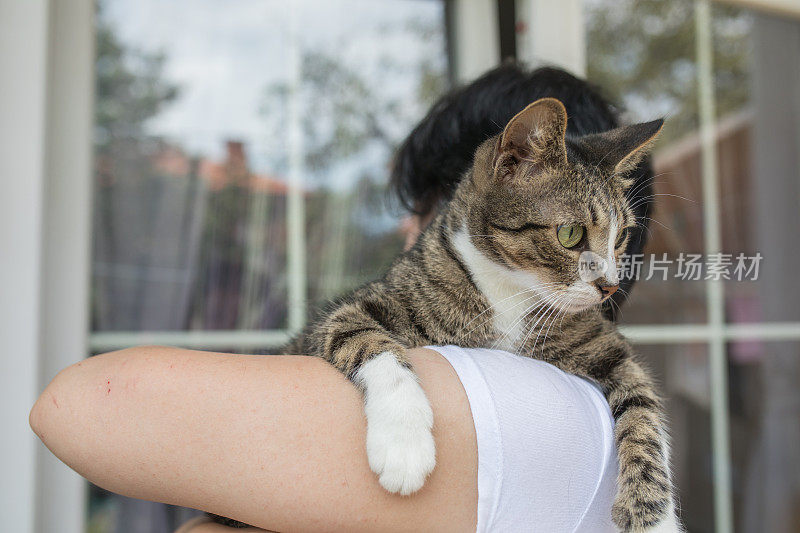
(429, 163)
(503, 265)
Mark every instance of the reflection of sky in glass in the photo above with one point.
(224, 53)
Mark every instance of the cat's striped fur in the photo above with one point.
(490, 272)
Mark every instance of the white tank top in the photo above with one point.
(546, 455)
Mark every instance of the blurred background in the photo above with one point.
(203, 173)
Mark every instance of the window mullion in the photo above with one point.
(715, 298)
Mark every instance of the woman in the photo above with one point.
(279, 441)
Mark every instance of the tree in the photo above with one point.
(643, 53)
(351, 118)
(129, 86)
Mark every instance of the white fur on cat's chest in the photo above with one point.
(509, 292)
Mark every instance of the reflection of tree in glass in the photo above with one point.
(182, 241)
(643, 53)
(345, 111)
(129, 86)
(131, 193)
(353, 117)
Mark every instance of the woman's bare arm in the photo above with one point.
(274, 441)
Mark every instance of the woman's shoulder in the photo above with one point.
(545, 442)
(505, 375)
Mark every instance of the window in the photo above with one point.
(240, 164)
(725, 349)
(241, 154)
(239, 160)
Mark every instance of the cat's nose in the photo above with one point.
(607, 290)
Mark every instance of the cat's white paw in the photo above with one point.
(670, 523)
(400, 445)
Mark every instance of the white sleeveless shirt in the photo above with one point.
(546, 455)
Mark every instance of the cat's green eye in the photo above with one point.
(569, 235)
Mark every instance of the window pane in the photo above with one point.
(760, 173)
(683, 372)
(651, 73)
(765, 430)
(193, 151)
(196, 102)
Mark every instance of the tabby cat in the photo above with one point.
(520, 259)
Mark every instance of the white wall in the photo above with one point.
(66, 236)
(476, 41)
(23, 54)
(46, 58)
(553, 34)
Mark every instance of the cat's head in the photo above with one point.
(550, 212)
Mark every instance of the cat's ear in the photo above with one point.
(621, 149)
(536, 133)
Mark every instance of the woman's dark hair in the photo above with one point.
(431, 161)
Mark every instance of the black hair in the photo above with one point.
(430, 162)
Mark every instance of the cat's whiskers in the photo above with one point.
(540, 315)
(649, 197)
(616, 306)
(610, 177)
(654, 176)
(531, 328)
(540, 329)
(555, 317)
(523, 291)
(492, 306)
(630, 196)
(655, 194)
(554, 314)
(625, 293)
(658, 222)
(646, 228)
(501, 313)
(546, 316)
(506, 335)
(535, 307)
(525, 315)
(644, 183)
(562, 318)
(521, 345)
